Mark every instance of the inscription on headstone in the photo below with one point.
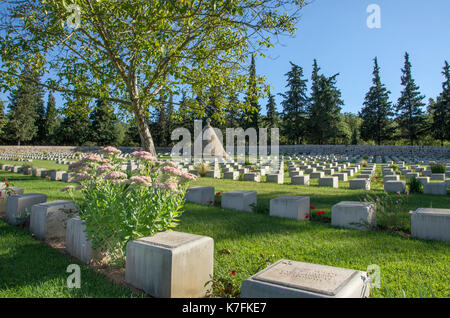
(316, 278)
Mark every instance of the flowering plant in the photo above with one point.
(392, 210)
(119, 206)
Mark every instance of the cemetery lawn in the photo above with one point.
(409, 267)
(30, 268)
(45, 164)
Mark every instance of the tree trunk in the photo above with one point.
(144, 132)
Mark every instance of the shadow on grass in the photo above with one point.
(32, 269)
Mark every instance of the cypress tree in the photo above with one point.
(377, 110)
(251, 99)
(324, 108)
(410, 115)
(441, 109)
(24, 102)
(295, 105)
(50, 122)
(272, 117)
(103, 121)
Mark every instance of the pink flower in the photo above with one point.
(170, 186)
(170, 163)
(188, 176)
(398, 192)
(115, 175)
(103, 169)
(143, 155)
(172, 170)
(411, 211)
(110, 150)
(82, 176)
(141, 179)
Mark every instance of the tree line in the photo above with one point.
(310, 114)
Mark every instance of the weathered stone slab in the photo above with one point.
(170, 264)
(4, 196)
(291, 207)
(290, 279)
(77, 243)
(17, 205)
(358, 183)
(252, 177)
(200, 195)
(233, 175)
(239, 200)
(48, 220)
(436, 188)
(394, 186)
(353, 214)
(300, 180)
(329, 182)
(275, 178)
(431, 224)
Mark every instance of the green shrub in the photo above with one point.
(394, 167)
(118, 207)
(415, 186)
(202, 168)
(260, 207)
(437, 168)
(364, 163)
(391, 210)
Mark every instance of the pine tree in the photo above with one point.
(75, 128)
(24, 102)
(103, 121)
(324, 108)
(3, 120)
(39, 138)
(50, 122)
(272, 119)
(441, 110)
(410, 115)
(253, 113)
(377, 110)
(295, 105)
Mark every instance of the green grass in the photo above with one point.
(29, 268)
(408, 266)
(45, 164)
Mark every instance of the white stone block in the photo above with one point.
(437, 188)
(329, 182)
(233, 175)
(200, 195)
(275, 178)
(358, 183)
(77, 243)
(170, 264)
(300, 180)
(17, 205)
(239, 200)
(252, 177)
(48, 220)
(291, 207)
(431, 224)
(394, 186)
(291, 279)
(353, 214)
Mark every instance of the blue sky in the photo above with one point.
(336, 34)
